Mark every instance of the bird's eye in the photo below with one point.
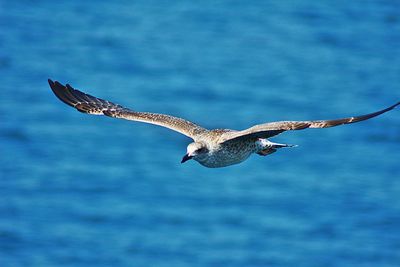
(201, 150)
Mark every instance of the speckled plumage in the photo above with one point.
(211, 148)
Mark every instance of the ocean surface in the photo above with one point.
(80, 190)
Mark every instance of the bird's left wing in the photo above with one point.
(92, 105)
(270, 129)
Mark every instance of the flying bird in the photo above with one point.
(211, 148)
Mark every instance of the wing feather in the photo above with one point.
(92, 105)
(270, 129)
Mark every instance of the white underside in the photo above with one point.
(225, 156)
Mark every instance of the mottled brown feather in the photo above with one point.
(270, 129)
(92, 105)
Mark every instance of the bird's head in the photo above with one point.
(195, 150)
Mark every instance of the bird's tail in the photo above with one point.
(271, 147)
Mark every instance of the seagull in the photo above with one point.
(211, 148)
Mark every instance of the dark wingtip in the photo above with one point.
(54, 85)
(391, 107)
(69, 87)
(61, 93)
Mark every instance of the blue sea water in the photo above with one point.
(79, 190)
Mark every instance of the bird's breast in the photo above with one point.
(225, 155)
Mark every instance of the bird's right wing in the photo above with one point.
(270, 129)
(92, 105)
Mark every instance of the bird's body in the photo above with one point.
(211, 148)
(224, 154)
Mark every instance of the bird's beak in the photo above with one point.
(186, 158)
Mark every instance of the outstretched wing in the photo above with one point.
(92, 105)
(267, 130)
